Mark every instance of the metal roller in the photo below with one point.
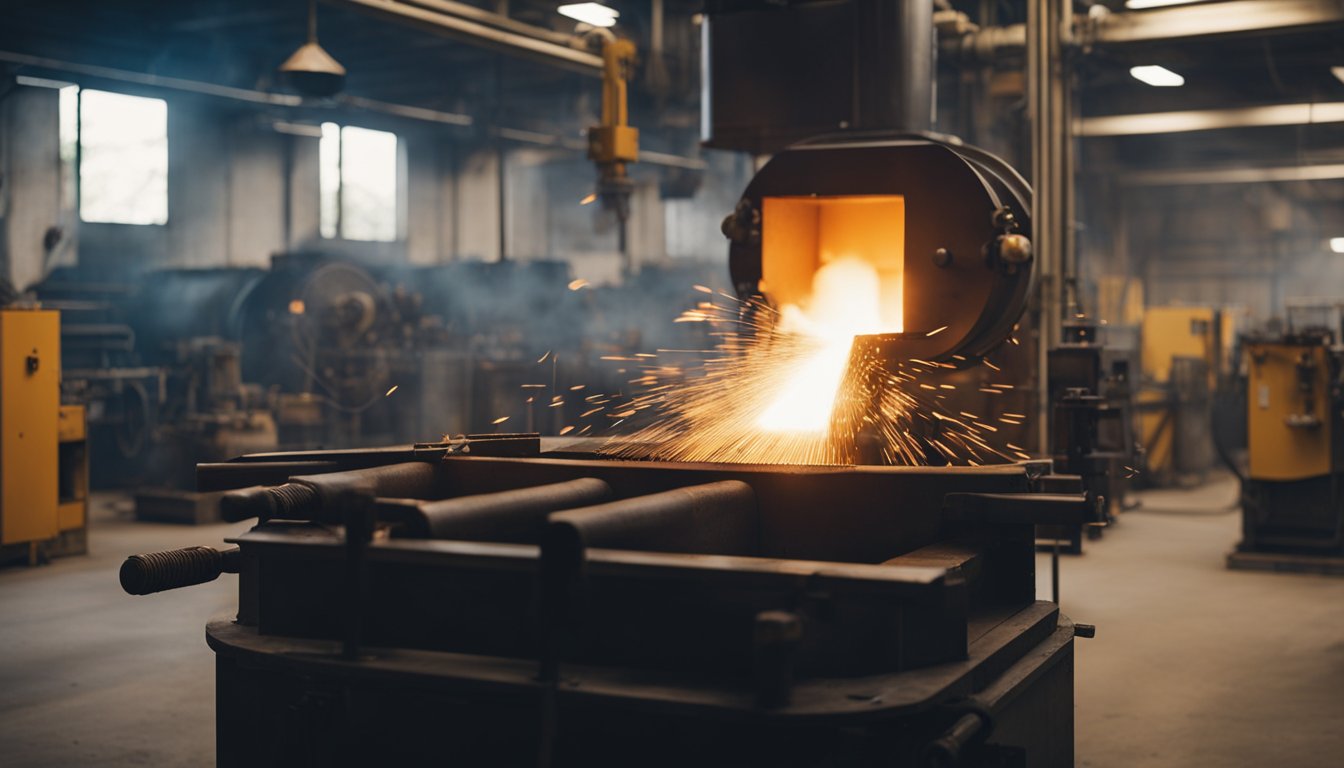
(513, 516)
(715, 518)
(306, 498)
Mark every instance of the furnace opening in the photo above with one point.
(834, 266)
(800, 235)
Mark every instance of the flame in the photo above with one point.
(846, 301)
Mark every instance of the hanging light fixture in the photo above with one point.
(311, 70)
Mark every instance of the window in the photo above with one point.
(121, 145)
(358, 182)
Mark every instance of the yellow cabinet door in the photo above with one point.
(30, 377)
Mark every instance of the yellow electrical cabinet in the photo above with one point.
(30, 380)
(1289, 420)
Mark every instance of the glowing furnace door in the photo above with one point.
(800, 235)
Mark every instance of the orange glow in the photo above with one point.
(835, 267)
(296, 307)
(800, 235)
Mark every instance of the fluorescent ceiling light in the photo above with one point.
(596, 14)
(1139, 5)
(1338, 72)
(1337, 244)
(1161, 77)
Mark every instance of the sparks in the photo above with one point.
(784, 388)
(390, 391)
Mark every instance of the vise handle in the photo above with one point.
(160, 571)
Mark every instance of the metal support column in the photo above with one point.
(1047, 93)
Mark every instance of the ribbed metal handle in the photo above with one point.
(160, 571)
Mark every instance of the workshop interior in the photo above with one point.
(812, 383)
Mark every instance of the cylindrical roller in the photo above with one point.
(306, 497)
(228, 475)
(517, 515)
(291, 501)
(160, 571)
(715, 518)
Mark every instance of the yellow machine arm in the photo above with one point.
(614, 143)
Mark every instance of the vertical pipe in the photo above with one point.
(287, 163)
(340, 184)
(656, 29)
(1047, 101)
(1054, 571)
(627, 262)
(500, 162)
(501, 172)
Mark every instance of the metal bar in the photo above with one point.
(986, 45)
(408, 111)
(1199, 176)
(1023, 508)
(1046, 21)
(647, 157)
(310, 497)
(1054, 571)
(714, 518)
(497, 18)
(1225, 18)
(1148, 123)
(477, 33)
(155, 81)
(229, 92)
(517, 515)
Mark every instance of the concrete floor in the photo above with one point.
(90, 676)
(1192, 664)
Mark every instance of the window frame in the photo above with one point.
(77, 161)
(399, 181)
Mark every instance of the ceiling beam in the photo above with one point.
(1210, 119)
(1183, 22)
(1175, 177)
(539, 46)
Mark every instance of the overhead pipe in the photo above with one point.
(291, 101)
(989, 44)
(538, 44)
(498, 18)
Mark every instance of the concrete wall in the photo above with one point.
(30, 192)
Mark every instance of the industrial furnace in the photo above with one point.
(512, 600)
